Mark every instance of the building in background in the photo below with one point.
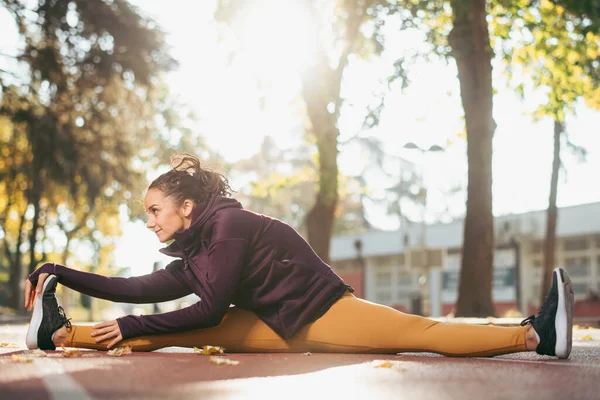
(394, 268)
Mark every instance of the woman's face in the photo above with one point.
(164, 217)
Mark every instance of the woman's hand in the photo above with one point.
(31, 292)
(106, 331)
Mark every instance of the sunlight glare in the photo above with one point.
(280, 37)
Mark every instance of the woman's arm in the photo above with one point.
(226, 259)
(162, 285)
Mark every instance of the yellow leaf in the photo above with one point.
(208, 350)
(71, 352)
(3, 344)
(222, 361)
(119, 351)
(36, 353)
(587, 337)
(384, 364)
(19, 358)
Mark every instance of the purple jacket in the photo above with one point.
(227, 256)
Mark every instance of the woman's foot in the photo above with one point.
(60, 336)
(47, 318)
(554, 322)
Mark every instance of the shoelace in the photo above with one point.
(542, 311)
(63, 317)
(527, 320)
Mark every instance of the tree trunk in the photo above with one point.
(552, 213)
(16, 271)
(471, 48)
(320, 219)
(33, 235)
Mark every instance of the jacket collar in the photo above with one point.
(188, 238)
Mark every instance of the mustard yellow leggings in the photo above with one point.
(351, 325)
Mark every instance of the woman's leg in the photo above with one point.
(351, 325)
(356, 325)
(240, 331)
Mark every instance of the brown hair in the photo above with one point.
(188, 180)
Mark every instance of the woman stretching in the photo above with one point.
(284, 297)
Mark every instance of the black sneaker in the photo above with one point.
(47, 317)
(554, 322)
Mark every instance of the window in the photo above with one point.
(598, 241)
(580, 289)
(535, 293)
(405, 279)
(578, 266)
(537, 247)
(450, 280)
(504, 277)
(383, 278)
(400, 259)
(575, 244)
(454, 251)
(403, 295)
(384, 296)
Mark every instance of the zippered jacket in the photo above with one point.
(228, 256)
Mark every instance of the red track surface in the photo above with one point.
(179, 374)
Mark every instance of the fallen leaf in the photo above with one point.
(384, 364)
(119, 351)
(223, 361)
(71, 353)
(35, 353)
(308, 353)
(19, 358)
(3, 344)
(587, 337)
(209, 350)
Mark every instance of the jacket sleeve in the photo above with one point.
(162, 285)
(226, 259)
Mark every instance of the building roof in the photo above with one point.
(582, 219)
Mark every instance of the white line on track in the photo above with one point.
(59, 383)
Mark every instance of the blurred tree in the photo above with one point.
(321, 84)
(585, 12)
(281, 185)
(470, 42)
(81, 119)
(458, 29)
(554, 49)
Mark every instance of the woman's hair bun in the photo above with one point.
(185, 162)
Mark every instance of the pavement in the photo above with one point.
(178, 373)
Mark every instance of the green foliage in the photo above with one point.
(78, 122)
(282, 185)
(552, 49)
(587, 12)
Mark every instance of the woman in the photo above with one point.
(286, 299)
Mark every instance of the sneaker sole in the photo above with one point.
(563, 322)
(37, 316)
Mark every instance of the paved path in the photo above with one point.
(180, 374)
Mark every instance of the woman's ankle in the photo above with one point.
(60, 337)
(531, 338)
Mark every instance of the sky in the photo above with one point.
(225, 99)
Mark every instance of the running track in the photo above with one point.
(180, 374)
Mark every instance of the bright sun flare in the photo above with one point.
(279, 36)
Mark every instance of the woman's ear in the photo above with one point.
(187, 208)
